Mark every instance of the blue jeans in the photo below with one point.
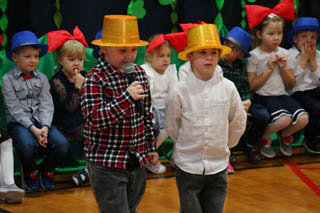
(260, 119)
(202, 193)
(117, 190)
(28, 147)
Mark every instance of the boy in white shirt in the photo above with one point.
(205, 117)
(306, 61)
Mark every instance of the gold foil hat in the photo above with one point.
(120, 31)
(203, 36)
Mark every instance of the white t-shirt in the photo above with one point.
(258, 62)
(160, 85)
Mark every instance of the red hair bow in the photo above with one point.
(177, 40)
(187, 26)
(59, 37)
(256, 13)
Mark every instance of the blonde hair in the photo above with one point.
(71, 48)
(166, 42)
(269, 19)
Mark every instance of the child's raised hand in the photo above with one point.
(272, 62)
(312, 58)
(136, 90)
(282, 62)
(78, 79)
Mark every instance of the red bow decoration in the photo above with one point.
(27, 76)
(177, 40)
(187, 26)
(59, 37)
(256, 13)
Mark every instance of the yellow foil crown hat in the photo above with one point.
(120, 31)
(203, 36)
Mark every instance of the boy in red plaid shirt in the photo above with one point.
(119, 138)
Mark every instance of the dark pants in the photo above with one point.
(260, 119)
(117, 190)
(310, 101)
(202, 193)
(28, 147)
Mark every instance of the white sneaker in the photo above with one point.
(11, 193)
(157, 169)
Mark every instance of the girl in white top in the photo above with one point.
(162, 78)
(270, 73)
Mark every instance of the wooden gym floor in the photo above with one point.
(278, 185)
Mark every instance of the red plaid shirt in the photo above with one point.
(113, 127)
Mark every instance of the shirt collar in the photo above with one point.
(18, 73)
(295, 52)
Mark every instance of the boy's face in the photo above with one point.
(235, 54)
(204, 61)
(305, 38)
(118, 56)
(159, 58)
(26, 58)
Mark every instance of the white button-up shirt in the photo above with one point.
(305, 79)
(205, 119)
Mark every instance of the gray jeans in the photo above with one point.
(117, 190)
(202, 193)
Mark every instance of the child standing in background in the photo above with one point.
(162, 78)
(270, 74)
(119, 138)
(29, 110)
(235, 70)
(205, 117)
(65, 87)
(306, 62)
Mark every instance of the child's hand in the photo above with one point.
(44, 136)
(154, 158)
(305, 55)
(282, 62)
(78, 79)
(136, 91)
(246, 104)
(272, 62)
(38, 134)
(312, 59)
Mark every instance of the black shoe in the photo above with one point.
(233, 160)
(253, 155)
(312, 146)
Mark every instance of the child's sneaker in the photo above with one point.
(267, 151)
(157, 169)
(285, 146)
(46, 180)
(80, 177)
(31, 181)
(230, 169)
(11, 193)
